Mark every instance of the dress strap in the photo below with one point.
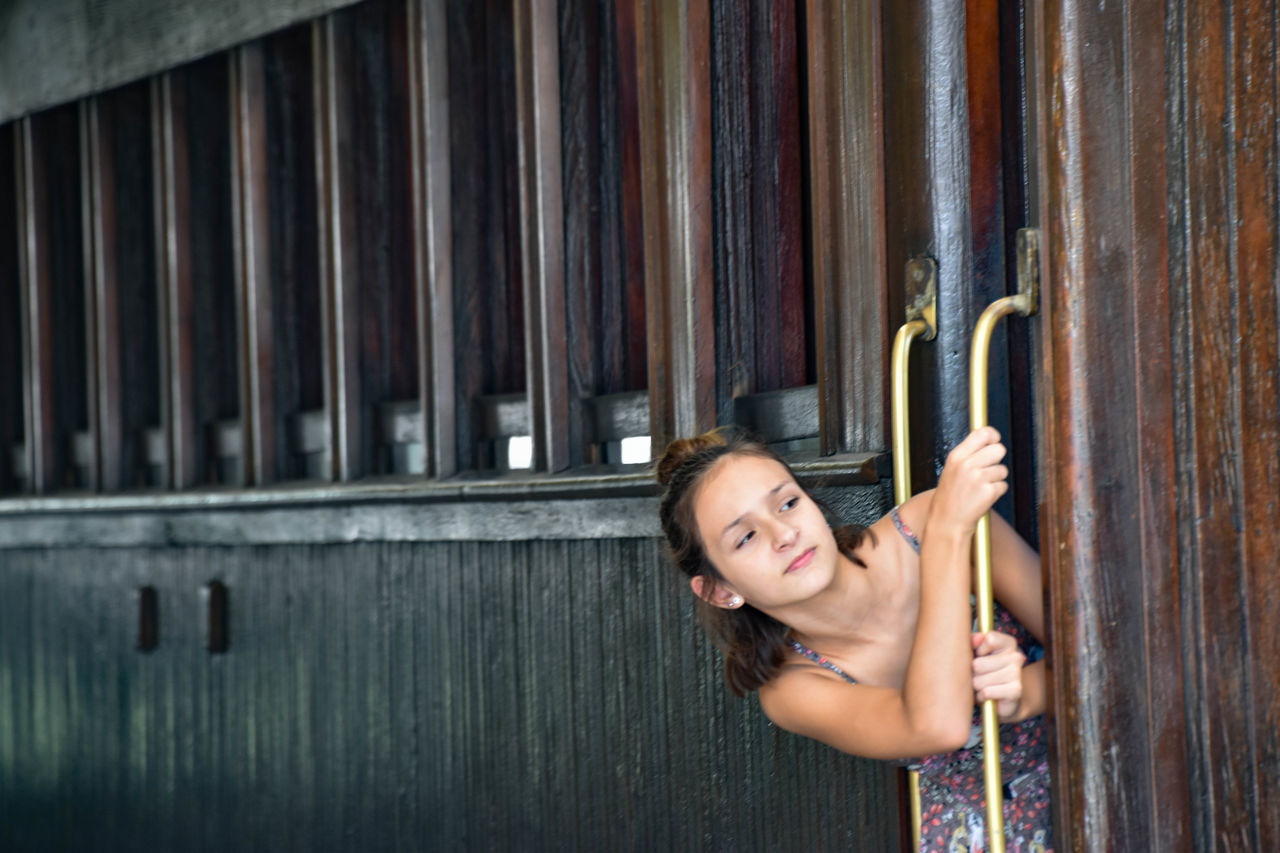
(904, 530)
(821, 660)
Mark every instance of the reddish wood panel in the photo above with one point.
(761, 298)
(488, 293)
(852, 265)
(603, 259)
(1163, 417)
(673, 61)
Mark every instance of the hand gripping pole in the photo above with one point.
(1023, 304)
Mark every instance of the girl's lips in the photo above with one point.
(801, 561)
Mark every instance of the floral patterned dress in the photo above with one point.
(953, 802)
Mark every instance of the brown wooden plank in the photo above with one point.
(673, 57)
(252, 247)
(1215, 498)
(433, 233)
(97, 202)
(1256, 78)
(173, 244)
(338, 246)
(45, 453)
(12, 360)
(542, 230)
(634, 340)
(847, 216)
(1108, 517)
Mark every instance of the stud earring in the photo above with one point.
(736, 601)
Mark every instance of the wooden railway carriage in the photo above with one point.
(286, 288)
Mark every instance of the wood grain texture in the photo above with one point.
(542, 250)
(488, 294)
(251, 244)
(428, 60)
(339, 272)
(56, 327)
(370, 698)
(297, 379)
(1162, 422)
(852, 264)
(673, 59)
(11, 336)
(763, 313)
(1229, 419)
(603, 259)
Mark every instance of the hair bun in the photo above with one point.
(682, 449)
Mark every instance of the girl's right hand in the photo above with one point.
(972, 480)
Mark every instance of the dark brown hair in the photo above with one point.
(752, 641)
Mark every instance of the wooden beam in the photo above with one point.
(252, 246)
(847, 220)
(44, 451)
(101, 296)
(542, 230)
(335, 192)
(673, 60)
(172, 188)
(432, 231)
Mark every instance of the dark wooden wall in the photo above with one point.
(395, 696)
(1162, 418)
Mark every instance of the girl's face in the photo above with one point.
(763, 533)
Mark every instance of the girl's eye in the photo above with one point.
(745, 539)
(790, 504)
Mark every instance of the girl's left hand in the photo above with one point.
(997, 672)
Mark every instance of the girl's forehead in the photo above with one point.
(736, 484)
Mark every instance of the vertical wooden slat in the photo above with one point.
(252, 246)
(542, 230)
(102, 289)
(92, 232)
(173, 245)
(1122, 774)
(43, 448)
(673, 61)
(433, 232)
(847, 210)
(11, 335)
(338, 274)
(1257, 91)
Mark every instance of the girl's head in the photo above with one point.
(745, 533)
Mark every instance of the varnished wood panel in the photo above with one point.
(604, 254)
(55, 319)
(1161, 423)
(673, 45)
(763, 313)
(854, 270)
(297, 379)
(428, 83)
(11, 358)
(541, 196)
(488, 307)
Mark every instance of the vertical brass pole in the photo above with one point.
(1024, 304)
(921, 322)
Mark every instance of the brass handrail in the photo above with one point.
(921, 323)
(1024, 304)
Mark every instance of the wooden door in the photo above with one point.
(1160, 457)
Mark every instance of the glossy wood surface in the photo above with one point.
(1161, 470)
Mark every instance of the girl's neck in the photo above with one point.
(860, 607)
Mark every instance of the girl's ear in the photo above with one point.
(715, 594)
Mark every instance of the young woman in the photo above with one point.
(861, 637)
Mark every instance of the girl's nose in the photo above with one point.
(784, 535)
